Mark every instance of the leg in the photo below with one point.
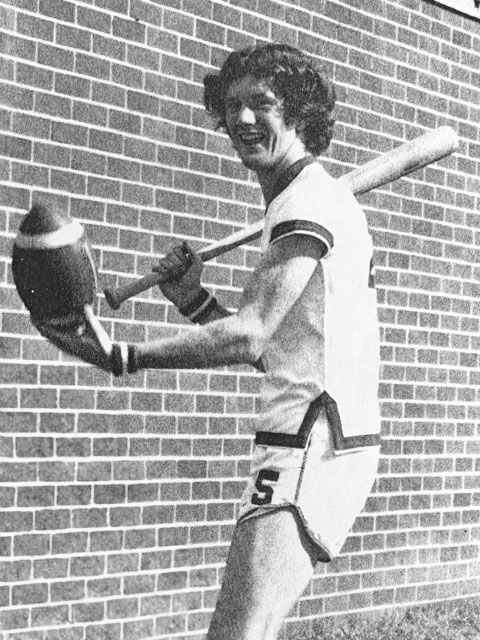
(270, 563)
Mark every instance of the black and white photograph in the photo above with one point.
(239, 320)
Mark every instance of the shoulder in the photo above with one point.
(314, 204)
(312, 191)
(301, 210)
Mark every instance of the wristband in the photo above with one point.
(199, 307)
(195, 304)
(120, 359)
(132, 359)
(116, 359)
(204, 311)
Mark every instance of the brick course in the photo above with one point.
(118, 497)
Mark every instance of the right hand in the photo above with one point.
(80, 335)
(182, 269)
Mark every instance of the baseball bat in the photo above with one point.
(389, 166)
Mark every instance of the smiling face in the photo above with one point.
(257, 128)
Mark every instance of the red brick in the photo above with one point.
(45, 616)
(144, 12)
(139, 584)
(103, 188)
(76, 447)
(64, 11)
(138, 195)
(70, 542)
(50, 568)
(35, 496)
(35, 77)
(101, 587)
(110, 631)
(16, 619)
(47, 519)
(176, 21)
(94, 20)
(123, 563)
(51, 154)
(74, 495)
(17, 47)
(71, 590)
(128, 29)
(88, 612)
(14, 196)
(92, 517)
(170, 492)
(61, 179)
(143, 102)
(55, 57)
(35, 27)
(31, 175)
(53, 471)
(32, 125)
(34, 447)
(29, 594)
(143, 57)
(53, 105)
(110, 494)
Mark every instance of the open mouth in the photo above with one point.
(250, 138)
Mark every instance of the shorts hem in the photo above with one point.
(324, 555)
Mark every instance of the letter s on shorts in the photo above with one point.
(265, 491)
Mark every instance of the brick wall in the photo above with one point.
(118, 497)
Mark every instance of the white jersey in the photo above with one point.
(325, 353)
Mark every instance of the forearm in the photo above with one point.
(217, 343)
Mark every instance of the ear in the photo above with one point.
(299, 135)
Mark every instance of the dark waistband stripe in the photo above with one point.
(299, 440)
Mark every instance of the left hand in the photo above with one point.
(81, 336)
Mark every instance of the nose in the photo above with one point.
(246, 115)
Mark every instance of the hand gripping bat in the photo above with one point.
(394, 164)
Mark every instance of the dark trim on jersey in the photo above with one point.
(340, 441)
(299, 441)
(303, 227)
(289, 176)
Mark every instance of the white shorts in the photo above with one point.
(328, 489)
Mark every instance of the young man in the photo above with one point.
(307, 318)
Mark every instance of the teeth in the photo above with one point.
(250, 138)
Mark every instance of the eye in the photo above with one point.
(232, 105)
(263, 105)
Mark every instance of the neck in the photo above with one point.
(268, 178)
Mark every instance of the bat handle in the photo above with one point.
(115, 297)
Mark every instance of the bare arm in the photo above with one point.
(240, 338)
(277, 282)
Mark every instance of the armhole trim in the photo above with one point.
(303, 227)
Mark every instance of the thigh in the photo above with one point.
(270, 563)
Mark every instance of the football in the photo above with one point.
(52, 265)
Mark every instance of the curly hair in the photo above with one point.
(308, 96)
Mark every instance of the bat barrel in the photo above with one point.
(419, 152)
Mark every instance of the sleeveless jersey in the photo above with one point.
(325, 353)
